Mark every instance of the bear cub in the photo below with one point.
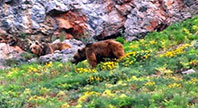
(43, 48)
(98, 51)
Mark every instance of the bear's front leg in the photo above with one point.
(91, 57)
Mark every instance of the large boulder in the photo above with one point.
(62, 56)
(92, 18)
(151, 15)
(8, 53)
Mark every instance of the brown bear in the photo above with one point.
(43, 48)
(14, 41)
(98, 51)
(5, 39)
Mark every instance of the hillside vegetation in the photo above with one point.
(149, 76)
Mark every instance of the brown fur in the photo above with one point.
(97, 52)
(47, 48)
(2, 39)
(16, 41)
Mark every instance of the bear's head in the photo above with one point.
(79, 56)
(12, 41)
(36, 48)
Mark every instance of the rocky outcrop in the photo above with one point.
(89, 18)
(151, 15)
(62, 56)
(10, 55)
(7, 52)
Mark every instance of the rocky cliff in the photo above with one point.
(92, 18)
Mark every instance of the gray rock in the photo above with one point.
(62, 56)
(190, 71)
(38, 13)
(8, 53)
(103, 18)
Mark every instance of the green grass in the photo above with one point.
(148, 77)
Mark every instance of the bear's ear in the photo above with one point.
(79, 51)
(29, 41)
(37, 43)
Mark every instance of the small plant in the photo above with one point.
(23, 35)
(62, 36)
(11, 62)
(27, 55)
(120, 39)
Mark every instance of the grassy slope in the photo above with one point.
(149, 76)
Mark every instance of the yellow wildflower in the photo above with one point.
(79, 106)
(61, 93)
(109, 65)
(150, 83)
(108, 93)
(111, 106)
(152, 42)
(86, 96)
(49, 64)
(85, 70)
(134, 46)
(27, 91)
(60, 65)
(174, 85)
(65, 105)
(193, 81)
(123, 96)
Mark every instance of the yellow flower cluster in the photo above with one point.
(164, 70)
(186, 31)
(32, 69)
(193, 62)
(152, 42)
(150, 83)
(65, 105)
(108, 65)
(60, 65)
(86, 96)
(142, 40)
(193, 81)
(27, 91)
(173, 77)
(50, 64)
(13, 72)
(85, 70)
(174, 85)
(146, 56)
(179, 50)
(94, 78)
(61, 93)
(134, 46)
(127, 60)
(133, 53)
(108, 93)
(134, 78)
(130, 57)
(37, 99)
(123, 96)
(44, 90)
(195, 27)
(111, 106)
